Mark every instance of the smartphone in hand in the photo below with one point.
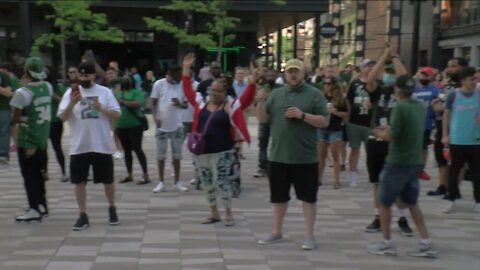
(75, 90)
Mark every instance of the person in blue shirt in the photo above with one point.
(461, 133)
(426, 91)
(239, 83)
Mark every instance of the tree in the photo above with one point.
(74, 19)
(216, 28)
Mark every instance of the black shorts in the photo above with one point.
(102, 168)
(426, 138)
(438, 147)
(304, 178)
(376, 155)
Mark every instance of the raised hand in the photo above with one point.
(393, 46)
(188, 60)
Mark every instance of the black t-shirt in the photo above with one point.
(357, 95)
(336, 123)
(382, 108)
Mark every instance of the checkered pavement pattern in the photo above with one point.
(163, 231)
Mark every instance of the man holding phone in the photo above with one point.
(168, 108)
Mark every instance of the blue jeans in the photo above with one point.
(399, 181)
(4, 133)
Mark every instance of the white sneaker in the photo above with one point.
(29, 216)
(159, 188)
(449, 208)
(118, 155)
(477, 208)
(43, 210)
(353, 179)
(178, 187)
(193, 181)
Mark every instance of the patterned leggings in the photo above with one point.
(213, 171)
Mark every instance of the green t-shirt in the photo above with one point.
(406, 129)
(60, 90)
(130, 117)
(34, 127)
(15, 83)
(294, 141)
(4, 82)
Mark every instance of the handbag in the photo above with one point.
(196, 140)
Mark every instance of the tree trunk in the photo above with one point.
(221, 37)
(63, 56)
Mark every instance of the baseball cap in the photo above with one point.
(406, 83)
(365, 62)
(427, 71)
(86, 68)
(35, 66)
(294, 63)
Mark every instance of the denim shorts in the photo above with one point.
(399, 181)
(176, 142)
(329, 135)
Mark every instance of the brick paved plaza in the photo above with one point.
(163, 231)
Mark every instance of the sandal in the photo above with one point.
(211, 220)
(229, 223)
(126, 180)
(337, 186)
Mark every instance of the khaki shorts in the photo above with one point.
(357, 134)
(176, 143)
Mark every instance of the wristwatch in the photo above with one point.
(303, 116)
(395, 56)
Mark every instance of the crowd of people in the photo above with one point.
(306, 121)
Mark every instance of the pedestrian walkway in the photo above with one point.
(163, 231)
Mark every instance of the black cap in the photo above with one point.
(405, 83)
(86, 68)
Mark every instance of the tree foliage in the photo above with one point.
(214, 36)
(214, 28)
(75, 19)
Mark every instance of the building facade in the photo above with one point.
(21, 21)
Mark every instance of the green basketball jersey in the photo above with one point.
(34, 126)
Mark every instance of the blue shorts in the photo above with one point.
(399, 181)
(329, 135)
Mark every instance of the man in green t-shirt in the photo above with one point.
(294, 112)
(399, 177)
(5, 95)
(31, 110)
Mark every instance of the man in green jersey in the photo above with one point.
(31, 110)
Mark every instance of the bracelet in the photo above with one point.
(395, 56)
(303, 116)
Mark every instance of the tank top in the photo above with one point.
(217, 136)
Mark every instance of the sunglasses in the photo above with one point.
(71, 72)
(327, 83)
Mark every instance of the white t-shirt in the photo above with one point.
(188, 113)
(171, 117)
(90, 129)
